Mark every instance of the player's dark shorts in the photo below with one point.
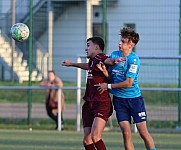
(130, 107)
(92, 109)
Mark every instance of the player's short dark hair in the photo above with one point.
(97, 40)
(130, 34)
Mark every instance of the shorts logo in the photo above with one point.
(99, 114)
(142, 115)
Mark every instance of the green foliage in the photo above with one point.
(38, 96)
(40, 124)
(162, 124)
(158, 85)
(159, 98)
(70, 124)
(153, 124)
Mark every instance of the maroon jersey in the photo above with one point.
(95, 76)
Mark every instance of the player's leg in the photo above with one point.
(87, 119)
(96, 133)
(87, 140)
(124, 118)
(145, 135)
(140, 117)
(102, 111)
(127, 137)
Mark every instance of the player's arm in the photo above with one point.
(105, 86)
(78, 65)
(44, 83)
(113, 61)
(125, 84)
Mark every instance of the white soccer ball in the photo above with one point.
(20, 32)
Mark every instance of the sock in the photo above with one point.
(100, 145)
(152, 149)
(89, 147)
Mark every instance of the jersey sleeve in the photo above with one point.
(103, 58)
(133, 67)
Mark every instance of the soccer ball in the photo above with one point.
(20, 32)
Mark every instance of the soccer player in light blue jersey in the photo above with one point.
(128, 102)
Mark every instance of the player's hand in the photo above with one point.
(101, 66)
(66, 63)
(117, 60)
(101, 87)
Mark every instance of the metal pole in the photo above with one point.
(0, 7)
(50, 35)
(104, 21)
(59, 110)
(78, 112)
(30, 61)
(13, 14)
(179, 85)
(89, 18)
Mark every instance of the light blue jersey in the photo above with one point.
(127, 68)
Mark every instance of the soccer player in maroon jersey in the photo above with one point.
(97, 107)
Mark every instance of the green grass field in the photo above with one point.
(72, 140)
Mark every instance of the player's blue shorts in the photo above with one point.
(130, 108)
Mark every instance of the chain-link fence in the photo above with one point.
(60, 29)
